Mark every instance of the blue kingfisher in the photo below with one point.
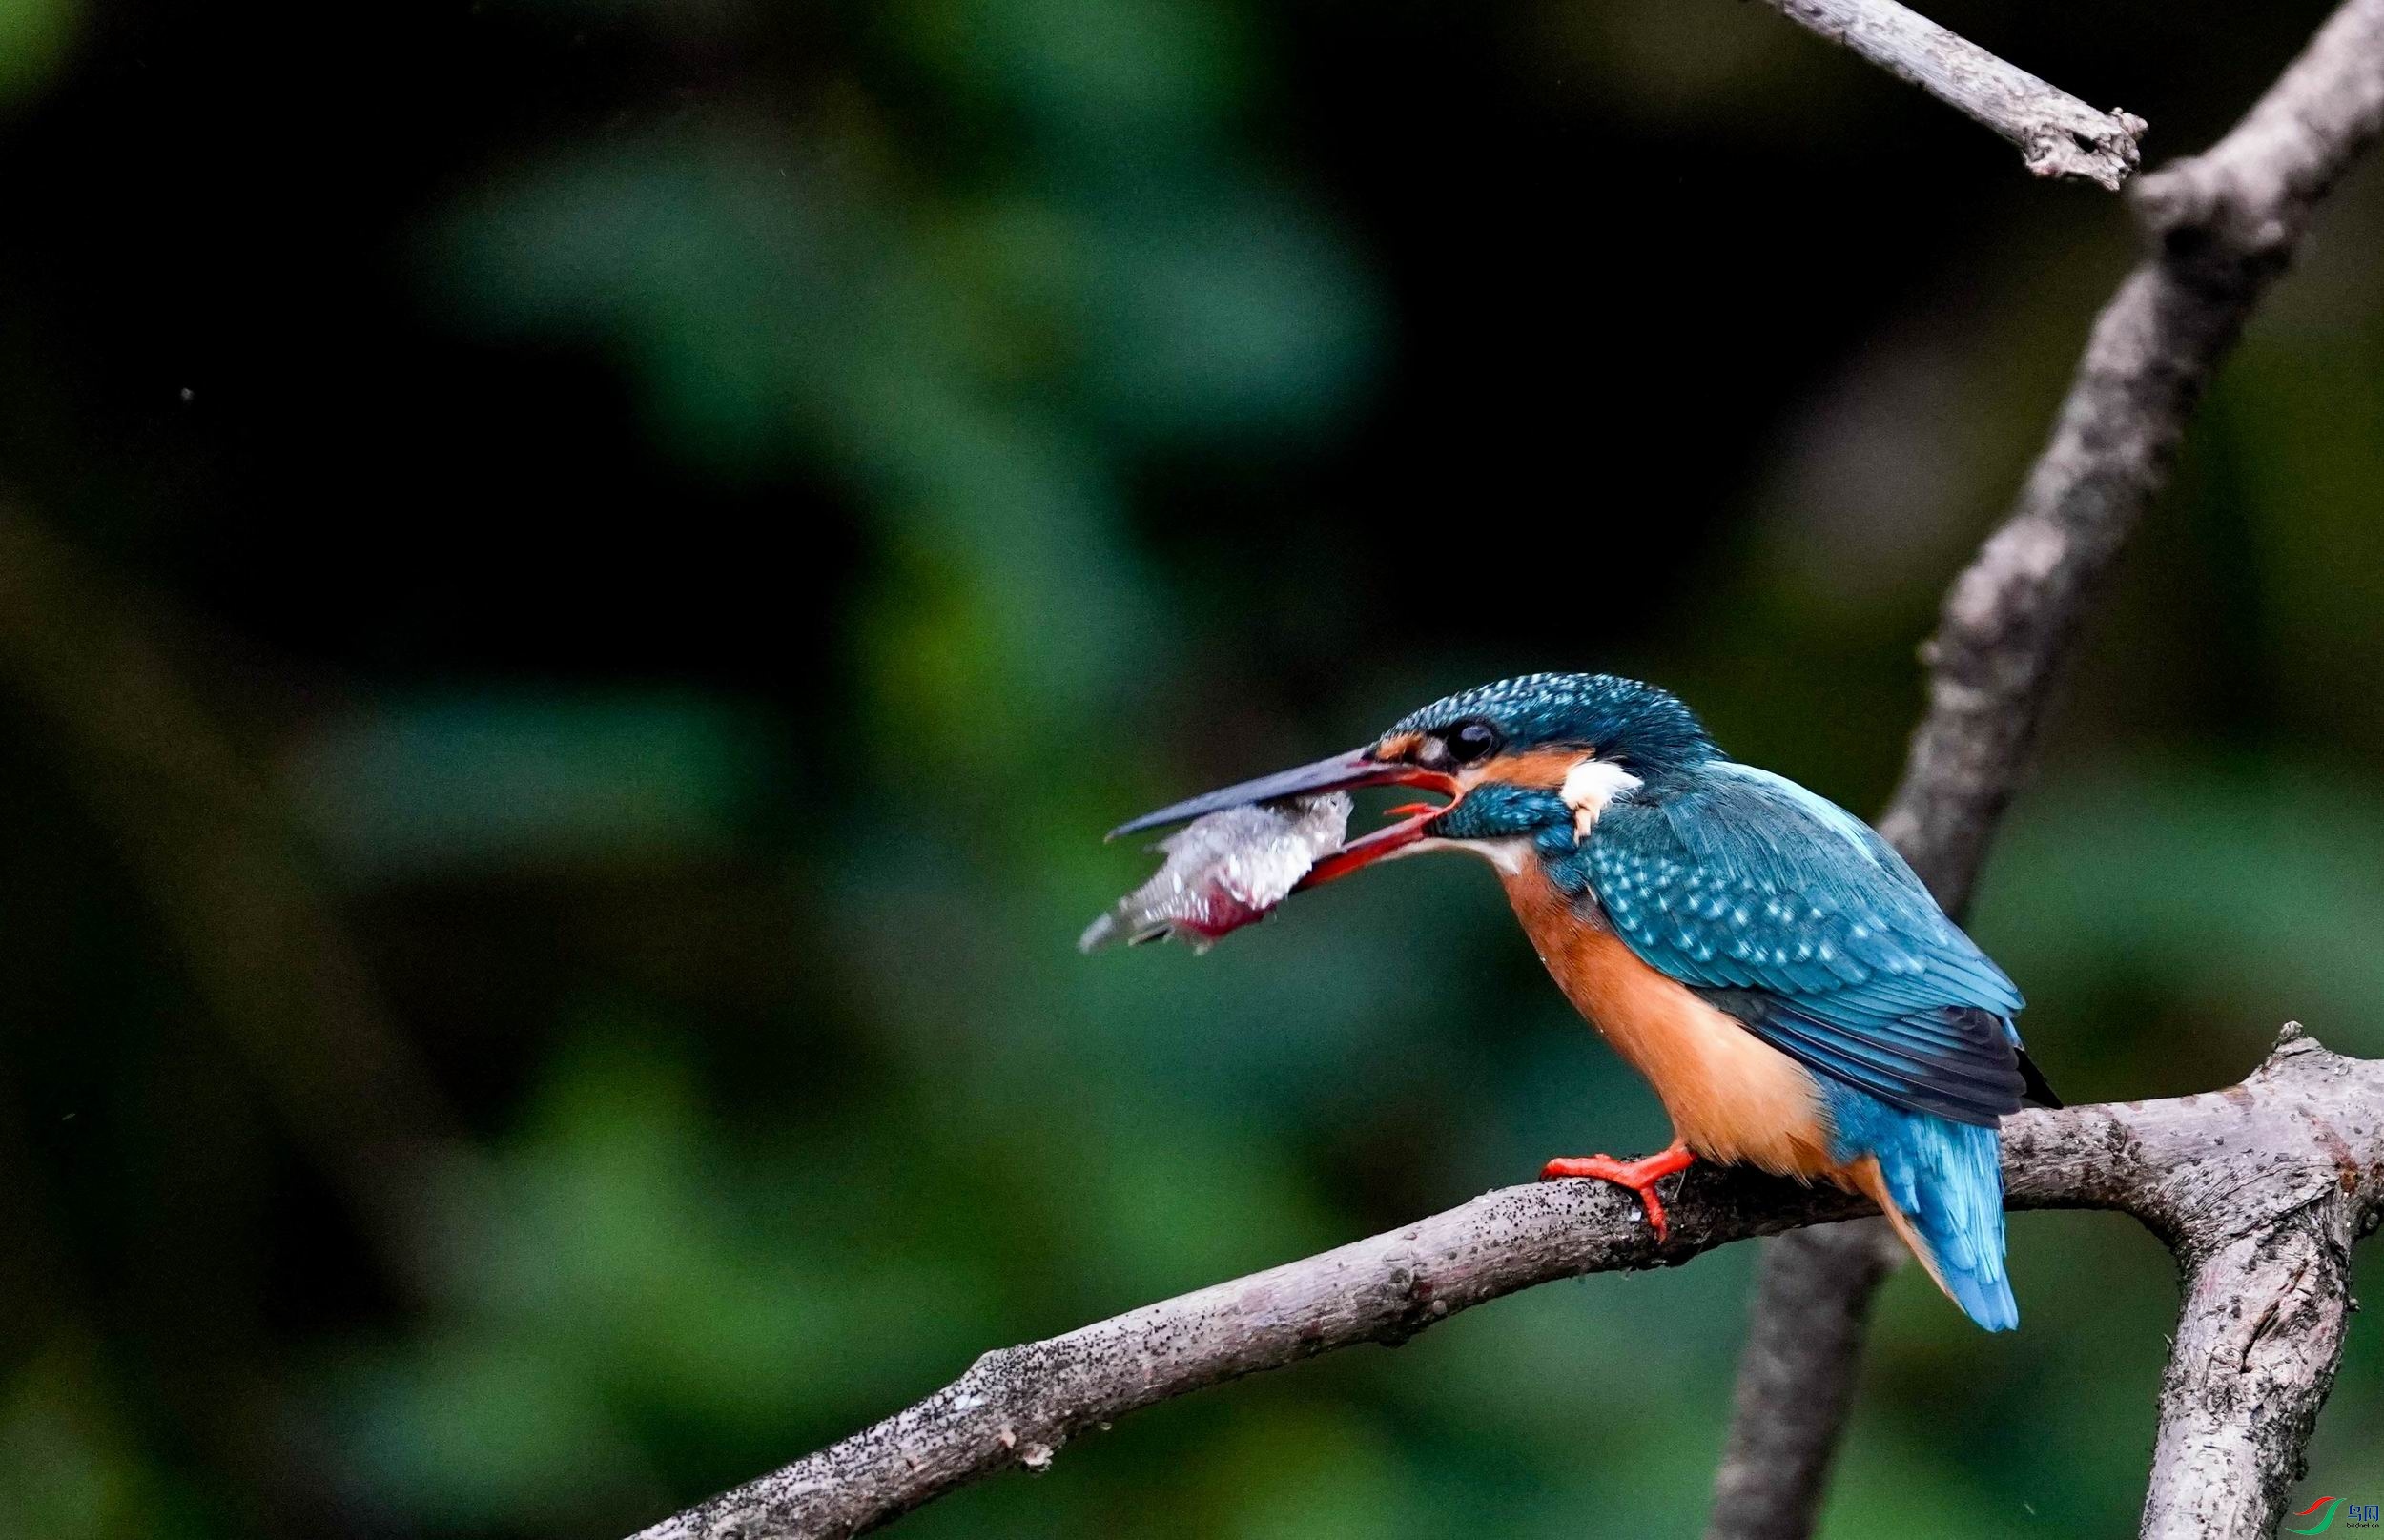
(1776, 971)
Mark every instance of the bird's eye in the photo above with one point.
(1473, 742)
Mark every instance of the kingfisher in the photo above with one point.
(1779, 975)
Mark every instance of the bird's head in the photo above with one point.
(1531, 759)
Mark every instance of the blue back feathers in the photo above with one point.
(1791, 915)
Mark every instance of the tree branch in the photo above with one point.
(2058, 134)
(2221, 228)
(2260, 1333)
(1797, 1376)
(2259, 1189)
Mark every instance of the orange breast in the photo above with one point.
(1732, 1097)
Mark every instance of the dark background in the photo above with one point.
(578, 582)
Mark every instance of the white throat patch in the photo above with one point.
(1589, 787)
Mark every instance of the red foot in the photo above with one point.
(1641, 1176)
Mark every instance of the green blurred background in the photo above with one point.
(579, 581)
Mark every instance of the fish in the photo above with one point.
(1225, 871)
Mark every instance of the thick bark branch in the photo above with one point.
(2259, 1333)
(2272, 1176)
(2057, 134)
(2222, 226)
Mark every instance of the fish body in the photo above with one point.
(1225, 871)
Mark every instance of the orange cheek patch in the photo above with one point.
(1543, 769)
(1398, 746)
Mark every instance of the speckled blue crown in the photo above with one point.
(1637, 723)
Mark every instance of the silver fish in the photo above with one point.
(1225, 871)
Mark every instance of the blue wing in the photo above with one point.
(1791, 915)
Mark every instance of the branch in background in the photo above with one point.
(1813, 1297)
(2058, 134)
(2222, 226)
(211, 844)
(97, 675)
(2262, 1188)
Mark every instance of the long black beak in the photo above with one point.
(1343, 773)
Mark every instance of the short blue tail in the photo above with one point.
(1946, 1182)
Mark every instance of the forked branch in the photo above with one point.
(2260, 1188)
(2221, 227)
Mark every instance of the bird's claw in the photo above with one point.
(1639, 1176)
